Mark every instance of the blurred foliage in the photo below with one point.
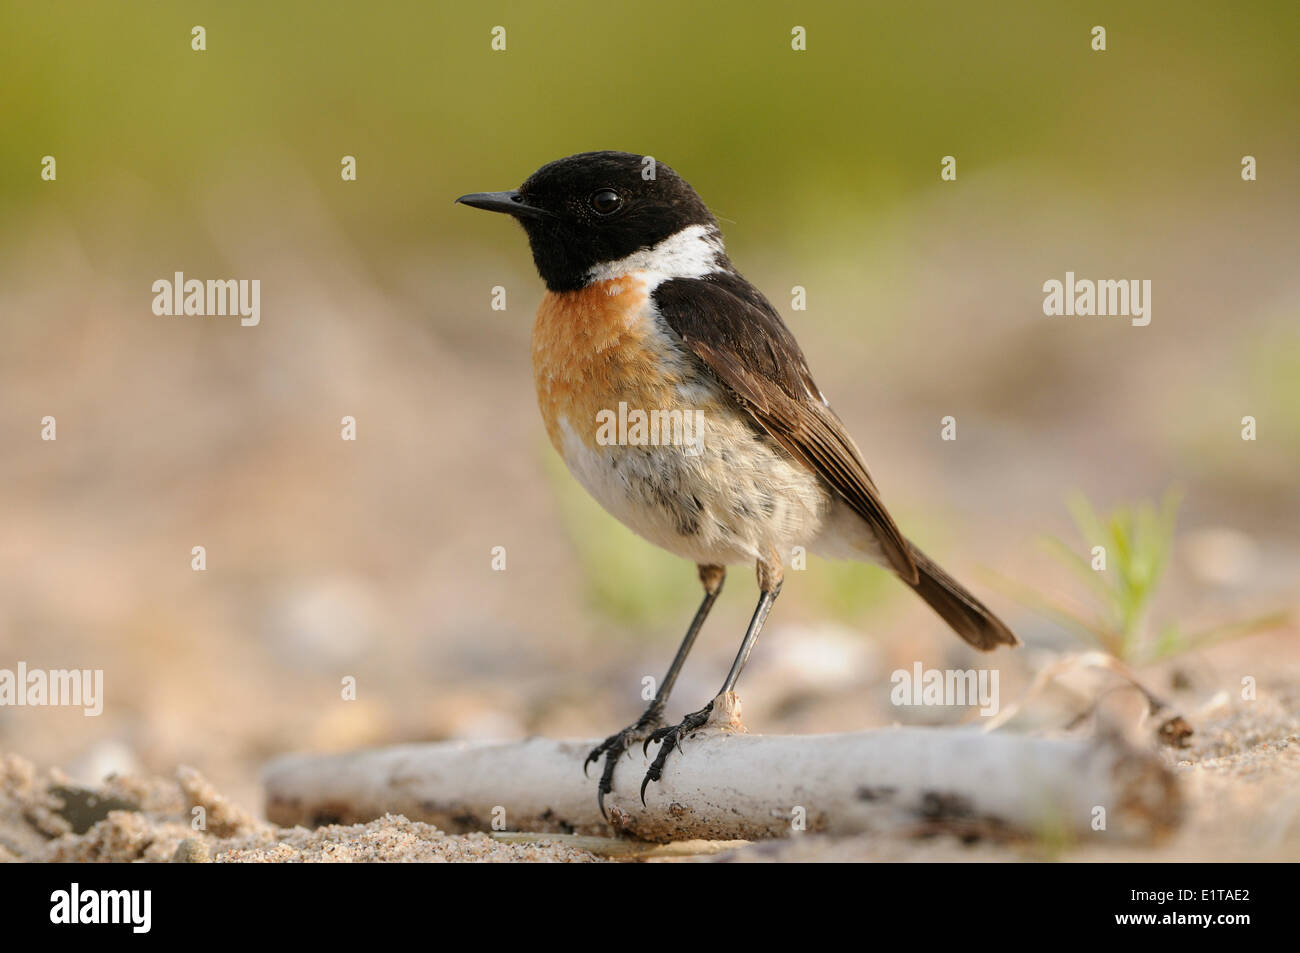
(1137, 541)
(1274, 369)
(412, 88)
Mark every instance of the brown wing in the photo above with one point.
(739, 336)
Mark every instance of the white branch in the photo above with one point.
(728, 785)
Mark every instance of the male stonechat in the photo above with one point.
(644, 310)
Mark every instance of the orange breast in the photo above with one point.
(593, 348)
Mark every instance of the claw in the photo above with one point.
(614, 747)
(656, 736)
(594, 755)
(670, 738)
(655, 771)
(607, 779)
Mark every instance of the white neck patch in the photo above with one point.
(690, 253)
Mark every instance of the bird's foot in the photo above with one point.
(612, 748)
(669, 738)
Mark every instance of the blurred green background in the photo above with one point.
(372, 559)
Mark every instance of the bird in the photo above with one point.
(682, 403)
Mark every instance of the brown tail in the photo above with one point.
(969, 617)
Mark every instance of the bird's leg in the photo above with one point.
(769, 585)
(613, 747)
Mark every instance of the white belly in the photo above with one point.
(736, 501)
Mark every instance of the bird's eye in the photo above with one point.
(605, 201)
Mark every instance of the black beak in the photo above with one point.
(509, 202)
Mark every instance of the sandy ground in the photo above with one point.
(1241, 775)
(153, 820)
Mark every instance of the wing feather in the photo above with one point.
(743, 342)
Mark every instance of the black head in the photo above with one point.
(593, 208)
